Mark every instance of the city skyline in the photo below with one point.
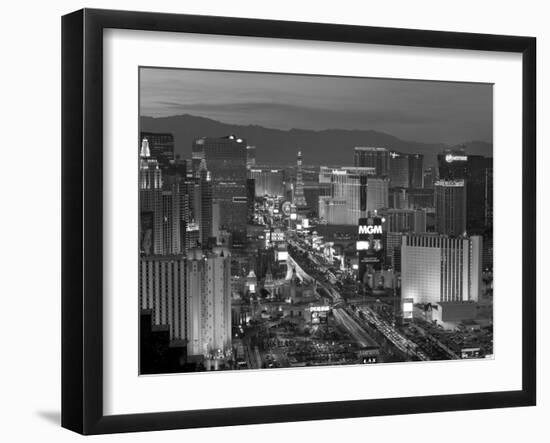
(381, 255)
(416, 110)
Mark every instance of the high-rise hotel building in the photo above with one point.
(354, 191)
(437, 268)
(205, 218)
(161, 146)
(267, 181)
(479, 185)
(373, 157)
(150, 202)
(450, 207)
(399, 170)
(209, 303)
(163, 208)
(162, 290)
(226, 159)
(416, 170)
(404, 220)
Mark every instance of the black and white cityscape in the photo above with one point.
(296, 220)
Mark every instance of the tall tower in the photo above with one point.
(205, 219)
(299, 199)
(450, 207)
(226, 161)
(150, 202)
(209, 303)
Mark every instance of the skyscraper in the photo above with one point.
(205, 220)
(162, 290)
(171, 221)
(377, 193)
(416, 170)
(226, 160)
(399, 170)
(250, 156)
(479, 202)
(298, 198)
(312, 192)
(378, 158)
(404, 220)
(453, 164)
(353, 192)
(251, 197)
(450, 207)
(334, 211)
(430, 176)
(209, 303)
(150, 202)
(267, 181)
(436, 268)
(161, 147)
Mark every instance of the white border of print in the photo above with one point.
(125, 392)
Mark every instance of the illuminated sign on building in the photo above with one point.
(282, 255)
(449, 158)
(286, 208)
(369, 245)
(408, 305)
(370, 229)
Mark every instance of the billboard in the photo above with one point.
(282, 255)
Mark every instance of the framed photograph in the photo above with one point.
(269, 221)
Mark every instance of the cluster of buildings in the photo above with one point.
(436, 222)
(192, 213)
(215, 226)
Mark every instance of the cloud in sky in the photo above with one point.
(424, 111)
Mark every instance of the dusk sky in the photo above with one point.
(411, 110)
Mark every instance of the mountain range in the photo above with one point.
(275, 146)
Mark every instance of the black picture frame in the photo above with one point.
(82, 215)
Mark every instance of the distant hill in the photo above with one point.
(327, 147)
